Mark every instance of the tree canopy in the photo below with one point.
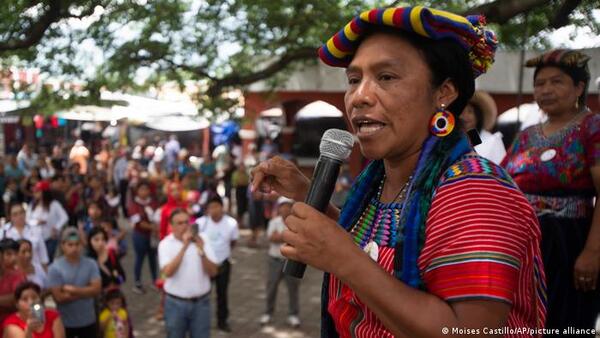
(218, 45)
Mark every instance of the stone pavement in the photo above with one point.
(246, 299)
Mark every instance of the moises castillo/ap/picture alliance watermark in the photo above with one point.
(517, 330)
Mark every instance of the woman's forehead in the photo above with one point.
(386, 50)
(550, 72)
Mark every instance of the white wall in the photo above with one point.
(502, 78)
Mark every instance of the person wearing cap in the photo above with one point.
(48, 214)
(557, 165)
(480, 114)
(18, 229)
(74, 281)
(275, 267)
(10, 276)
(432, 237)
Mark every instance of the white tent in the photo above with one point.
(137, 109)
(318, 109)
(175, 123)
(272, 112)
(9, 105)
(143, 109)
(91, 113)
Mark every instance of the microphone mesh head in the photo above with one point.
(336, 144)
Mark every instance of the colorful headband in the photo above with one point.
(561, 57)
(469, 32)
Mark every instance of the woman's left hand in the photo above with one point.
(586, 270)
(315, 239)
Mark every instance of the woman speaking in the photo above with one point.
(433, 240)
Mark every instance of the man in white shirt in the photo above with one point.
(222, 232)
(187, 269)
(276, 262)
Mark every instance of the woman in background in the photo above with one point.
(480, 114)
(111, 271)
(34, 271)
(557, 165)
(46, 212)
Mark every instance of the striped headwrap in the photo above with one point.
(469, 32)
(560, 57)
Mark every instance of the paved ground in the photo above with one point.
(246, 298)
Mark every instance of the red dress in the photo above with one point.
(51, 316)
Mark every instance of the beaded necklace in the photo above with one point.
(380, 221)
(556, 139)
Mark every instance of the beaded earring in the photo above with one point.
(442, 123)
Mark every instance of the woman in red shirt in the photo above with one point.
(23, 324)
(175, 200)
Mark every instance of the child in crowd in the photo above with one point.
(113, 200)
(116, 236)
(93, 219)
(276, 262)
(114, 319)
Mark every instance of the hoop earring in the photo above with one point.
(577, 105)
(442, 123)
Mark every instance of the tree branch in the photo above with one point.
(561, 18)
(35, 32)
(500, 11)
(194, 70)
(240, 80)
(56, 11)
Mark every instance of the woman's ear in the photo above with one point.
(446, 93)
(580, 88)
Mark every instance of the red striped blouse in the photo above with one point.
(482, 242)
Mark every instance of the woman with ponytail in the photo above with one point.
(433, 240)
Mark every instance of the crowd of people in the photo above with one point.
(70, 215)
